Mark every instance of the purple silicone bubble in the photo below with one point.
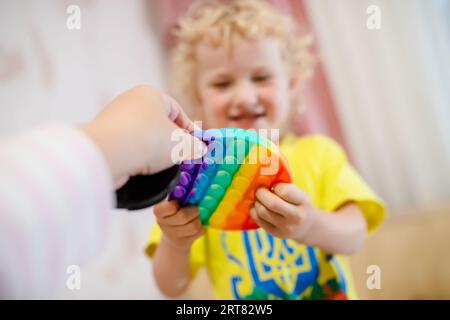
(185, 178)
(178, 192)
(187, 166)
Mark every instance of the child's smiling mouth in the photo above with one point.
(247, 120)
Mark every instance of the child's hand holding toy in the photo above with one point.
(286, 212)
(180, 226)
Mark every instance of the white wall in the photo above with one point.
(49, 73)
(391, 87)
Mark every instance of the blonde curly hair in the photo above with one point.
(216, 22)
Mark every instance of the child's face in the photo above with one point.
(247, 87)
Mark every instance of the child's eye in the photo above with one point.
(221, 84)
(262, 78)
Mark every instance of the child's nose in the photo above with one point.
(245, 95)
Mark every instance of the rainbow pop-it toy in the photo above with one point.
(224, 182)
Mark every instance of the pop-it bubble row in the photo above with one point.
(224, 182)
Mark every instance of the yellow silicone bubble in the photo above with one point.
(227, 205)
(220, 215)
(241, 183)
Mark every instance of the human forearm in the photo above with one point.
(342, 232)
(172, 268)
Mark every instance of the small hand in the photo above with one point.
(180, 226)
(286, 212)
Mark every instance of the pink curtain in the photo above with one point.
(320, 115)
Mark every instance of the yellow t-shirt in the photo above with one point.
(256, 265)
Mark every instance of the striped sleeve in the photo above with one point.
(55, 200)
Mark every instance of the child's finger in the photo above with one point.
(273, 202)
(265, 214)
(183, 216)
(188, 230)
(166, 208)
(291, 193)
(200, 232)
(263, 224)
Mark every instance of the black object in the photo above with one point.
(146, 190)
